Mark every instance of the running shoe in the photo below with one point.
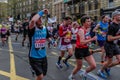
(84, 77)
(101, 74)
(59, 65)
(107, 70)
(66, 63)
(71, 77)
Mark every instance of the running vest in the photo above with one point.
(74, 32)
(65, 39)
(78, 44)
(38, 43)
(104, 28)
(3, 31)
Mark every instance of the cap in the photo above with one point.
(115, 13)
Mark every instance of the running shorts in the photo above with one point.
(101, 43)
(65, 47)
(81, 53)
(111, 50)
(39, 65)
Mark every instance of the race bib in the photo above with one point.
(3, 32)
(104, 34)
(39, 43)
(67, 40)
(74, 37)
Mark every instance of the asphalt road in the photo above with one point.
(14, 64)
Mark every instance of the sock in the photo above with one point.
(68, 57)
(59, 59)
(71, 75)
(85, 73)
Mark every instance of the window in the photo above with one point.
(82, 7)
(89, 6)
(96, 4)
(110, 0)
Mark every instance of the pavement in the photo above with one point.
(14, 64)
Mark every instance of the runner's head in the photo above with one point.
(86, 21)
(116, 16)
(67, 21)
(75, 25)
(104, 18)
(46, 11)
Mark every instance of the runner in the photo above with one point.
(75, 27)
(65, 42)
(111, 46)
(101, 30)
(16, 31)
(37, 57)
(50, 30)
(25, 30)
(3, 32)
(82, 51)
(8, 32)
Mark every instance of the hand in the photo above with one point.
(46, 11)
(31, 24)
(68, 30)
(94, 38)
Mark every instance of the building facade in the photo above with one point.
(93, 8)
(61, 8)
(3, 11)
(111, 5)
(58, 10)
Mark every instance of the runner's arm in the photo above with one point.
(111, 32)
(61, 33)
(112, 38)
(36, 17)
(96, 28)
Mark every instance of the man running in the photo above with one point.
(3, 32)
(65, 34)
(101, 30)
(25, 30)
(38, 35)
(82, 50)
(111, 46)
(50, 30)
(75, 27)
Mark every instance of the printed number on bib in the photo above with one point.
(66, 40)
(39, 43)
(74, 37)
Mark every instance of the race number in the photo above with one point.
(39, 43)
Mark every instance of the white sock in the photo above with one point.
(85, 73)
(71, 75)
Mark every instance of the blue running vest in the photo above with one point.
(38, 43)
(104, 28)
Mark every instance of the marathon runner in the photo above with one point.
(65, 33)
(25, 30)
(111, 46)
(38, 36)
(3, 32)
(82, 49)
(101, 30)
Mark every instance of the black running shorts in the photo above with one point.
(111, 50)
(81, 53)
(73, 41)
(39, 65)
(3, 35)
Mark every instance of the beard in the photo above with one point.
(39, 26)
(118, 19)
